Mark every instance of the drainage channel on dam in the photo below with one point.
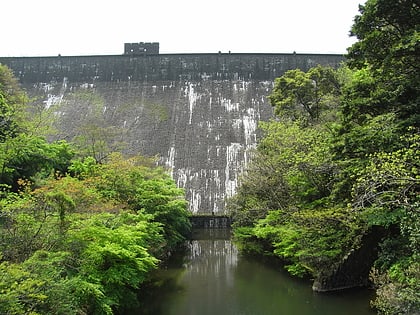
(212, 278)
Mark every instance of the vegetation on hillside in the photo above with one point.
(342, 156)
(77, 236)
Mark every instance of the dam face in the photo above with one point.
(198, 113)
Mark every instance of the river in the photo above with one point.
(212, 278)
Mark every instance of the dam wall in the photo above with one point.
(197, 113)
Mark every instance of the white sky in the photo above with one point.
(86, 27)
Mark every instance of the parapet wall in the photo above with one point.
(198, 113)
(163, 67)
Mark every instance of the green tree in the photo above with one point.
(37, 219)
(387, 194)
(12, 105)
(146, 187)
(282, 206)
(77, 236)
(361, 172)
(307, 96)
(76, 246)
(19, 114)
(389, 47)
(24, 154)
(387, 189)
(20, 291)
(96, 139)
(28, 157)
(381, 100)
(351, 150)
(114, 253)
(291, 166)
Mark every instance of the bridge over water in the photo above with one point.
(198, 112)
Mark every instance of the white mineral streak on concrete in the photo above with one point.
(87, 85)
(250, 127)
(205, 76)
(64, 86)
(51, 98)
(170, 162)
(237, 124)
(235, 87)
(209, 126)
(46, 87)
(195, 201)
(216, 196)
(236, 115)
(182, 177)
(229, 105)
(232, 161)
(245, 85)
(192, 99)
(204, 185)
(186, 176)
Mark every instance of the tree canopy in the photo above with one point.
(77, 236)
(341, 158)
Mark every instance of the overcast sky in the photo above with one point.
(86, 27)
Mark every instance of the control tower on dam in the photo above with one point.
(198, 113)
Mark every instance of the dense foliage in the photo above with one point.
(342, 157)
(12, 100)
(77, 236)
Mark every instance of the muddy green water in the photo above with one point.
(212, 278)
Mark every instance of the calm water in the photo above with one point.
(214, 279)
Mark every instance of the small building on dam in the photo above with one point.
(198, 113)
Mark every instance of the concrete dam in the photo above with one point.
(198, 113)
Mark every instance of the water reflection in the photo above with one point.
(214, 279)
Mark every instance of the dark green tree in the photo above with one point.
(12, 105)
(77, 236)
(387, 194)
(306, 96)
(30, 157)
(147, 188)
(361, 173)
(381, 100)
(388, 45)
